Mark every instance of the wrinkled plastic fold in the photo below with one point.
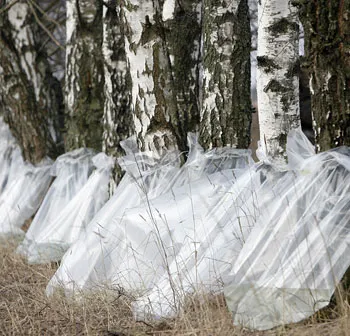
(22, 185)
(147, 176)
(72, 171)
(298, 250)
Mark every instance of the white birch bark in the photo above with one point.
(182, 20)
(162, 47)
(117, 115)
(149, 75)
(277, 75)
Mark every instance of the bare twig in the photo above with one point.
(8, 6)
(57, 23)
(44, 27)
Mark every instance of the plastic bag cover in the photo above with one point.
(276, 240)
(298, 250)
(53, 240)
(22, 196)
(146, 177)
(296, 254)
(109, 253)
(22, 185)
(72, 171)
(220, 213)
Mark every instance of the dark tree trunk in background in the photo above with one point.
(327, 46)
(30, 97)
(84, 75)
(117, 117)
(182, 33)
(227, 108)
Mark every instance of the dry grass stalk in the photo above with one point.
(25, 310)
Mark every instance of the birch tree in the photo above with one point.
(84, 74)
(277, 75)
(28, 91)
(163, 56)
(327, 40)
(226, 113)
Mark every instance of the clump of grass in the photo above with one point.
(25, 310)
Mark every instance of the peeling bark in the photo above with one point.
(226, 115)
(327, 47)
(84, 75)
(277, 75)
(29, 94)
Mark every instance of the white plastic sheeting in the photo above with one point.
(274, 239)
(146, 177)
(299, 249)
(22, 185)
(102, 253)
(50, 242)
(72, 171)
(22, 197)
(210, 236)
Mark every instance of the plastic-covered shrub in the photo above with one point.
(130, 254)
(147, 175)
(50, 242)
(72, 171)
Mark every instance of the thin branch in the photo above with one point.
(8, 6)
(44, 27)
(44, 13)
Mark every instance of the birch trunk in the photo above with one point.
(163, 68)
(226, 114)
(277, 75)
(84, 74)
(29, 94)
(327, 39)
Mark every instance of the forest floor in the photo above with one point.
(25, 310)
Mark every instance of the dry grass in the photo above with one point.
(25, 310)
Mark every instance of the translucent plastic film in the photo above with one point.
(209, 234)
(22, 185)
(52, 241)
(72, 171)
(298, 250)
(22, 196)
(145, 237)
(146, 177)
